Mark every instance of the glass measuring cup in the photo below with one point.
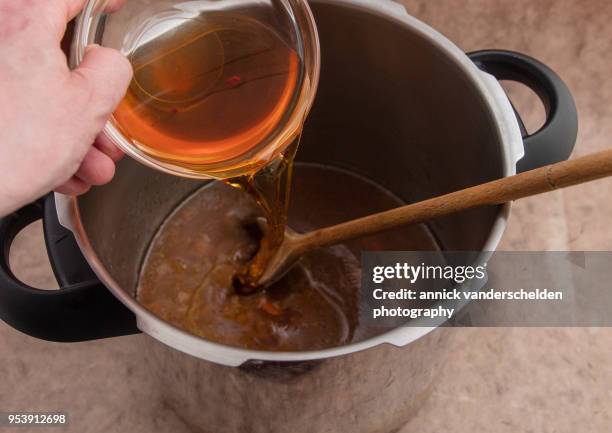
(221, 87)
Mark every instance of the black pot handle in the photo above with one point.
(79, 311)
(555, 141)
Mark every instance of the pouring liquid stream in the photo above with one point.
(271, 189)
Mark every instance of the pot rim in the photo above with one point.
(512, 151)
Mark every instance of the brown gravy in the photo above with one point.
(187, 276)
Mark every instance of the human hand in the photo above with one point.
(50, 115)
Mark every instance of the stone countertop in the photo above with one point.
(497, 380)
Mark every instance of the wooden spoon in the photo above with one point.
(540, 180)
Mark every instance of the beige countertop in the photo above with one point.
(497, 380)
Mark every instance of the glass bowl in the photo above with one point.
(221, 87)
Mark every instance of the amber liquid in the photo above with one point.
(271, 188)
(212, 90)
(209, 90)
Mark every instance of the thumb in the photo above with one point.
(102, 78)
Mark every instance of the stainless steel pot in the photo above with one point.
(398, 103)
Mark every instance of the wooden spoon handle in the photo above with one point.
(544, 179)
